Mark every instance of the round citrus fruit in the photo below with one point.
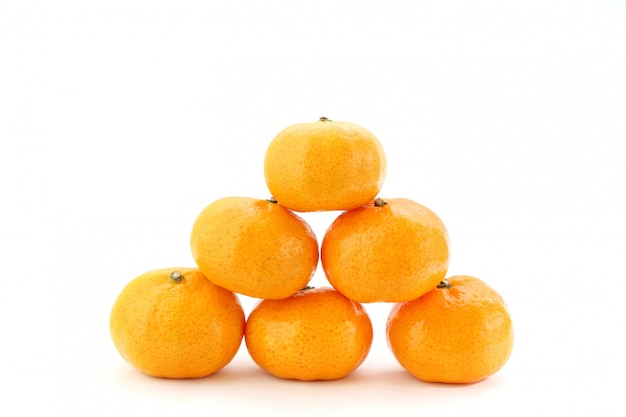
(386, 251)
(254, 247)
(324, 165)
(460, 332)
(317, 334)
(174, 323)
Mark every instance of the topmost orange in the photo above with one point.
(324, 165)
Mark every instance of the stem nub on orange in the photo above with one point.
(460, 332)
(174, 323)
(324, 165)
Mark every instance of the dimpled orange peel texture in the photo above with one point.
(324, 165)
(460, 332)
(388, 251)
(174, 323)
(254, 247)
(317, 334)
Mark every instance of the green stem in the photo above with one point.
(176, 276)
(379, 202)
(444, 284)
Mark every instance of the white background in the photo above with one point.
(121, 120)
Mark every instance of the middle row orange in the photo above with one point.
(387, 251)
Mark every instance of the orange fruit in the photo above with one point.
(254, 247)
(324, 165)
(174, 323)
(460, 332)
(390, 250)
(317, 334)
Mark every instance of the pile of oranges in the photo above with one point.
(189, 323)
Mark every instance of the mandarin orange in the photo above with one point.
(324, 165)
(387, 251)
(317, 334)
(460, 332)
(174, 323)
(254, 247)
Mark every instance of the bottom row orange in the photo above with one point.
(174, 323)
